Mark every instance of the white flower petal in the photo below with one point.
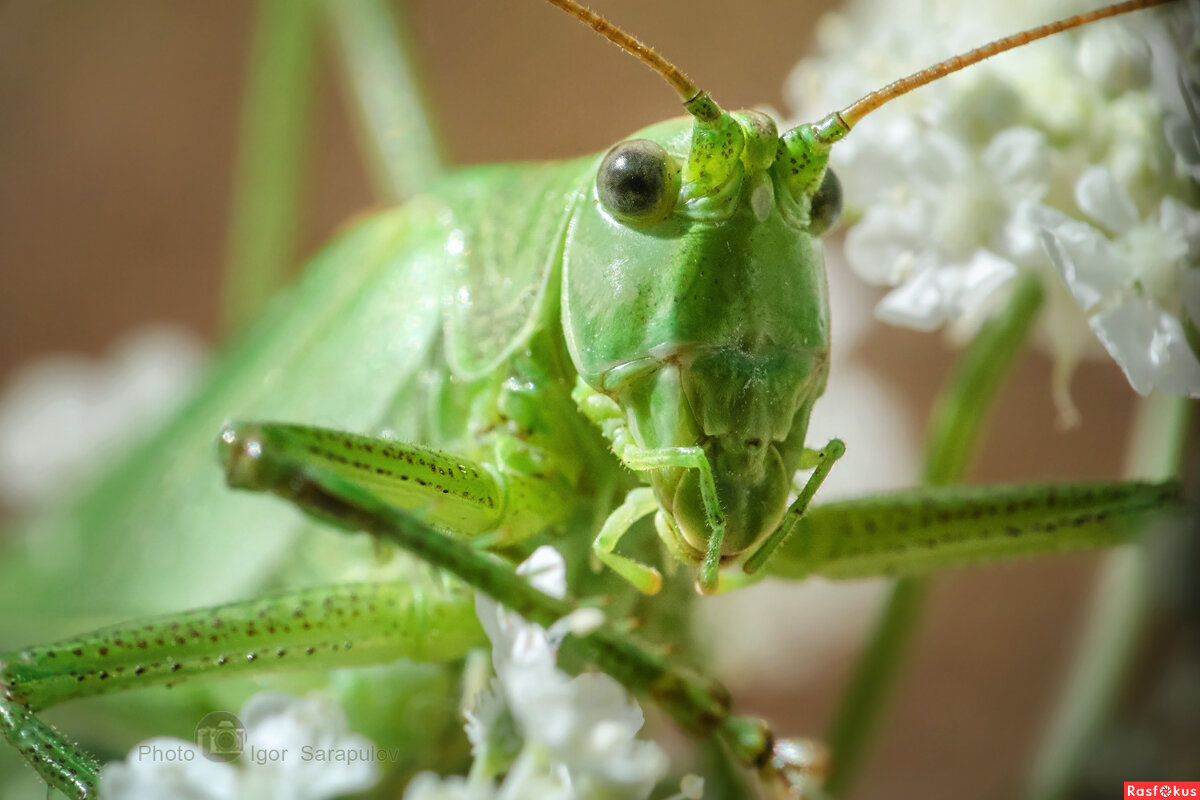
(691, 787)
(1021, 239)
(62, 416)
(586, 725)
(287, 725)
(1105, 200)
(482, 716)
(166, 767)
(1178, 217)
(1150, 347)
(939, 157)
(919, 304)
(430, 786)
(866, 163)
(1087, 262)
(983, 275)
(882, 247)
(274, 764)
(547, 571)
(532, 776)
(580, 622)
(1019, 159)
(602, 745)
(1067, 327)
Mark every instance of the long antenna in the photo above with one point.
(852, 114)
(694, 100)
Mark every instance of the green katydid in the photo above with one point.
(675, 315)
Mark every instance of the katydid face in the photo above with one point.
(705, 317)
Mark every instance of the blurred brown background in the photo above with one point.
(117, 137)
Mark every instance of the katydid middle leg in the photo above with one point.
(61, 763)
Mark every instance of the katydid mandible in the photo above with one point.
(664, 302)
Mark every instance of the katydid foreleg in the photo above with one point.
(638, 504)
(641, 460)
(607, 414)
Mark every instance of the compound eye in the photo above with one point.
(826, 204)
(638, 181)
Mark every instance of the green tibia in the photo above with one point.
(467, 497)
(61, 763)
(320, 628)
(921, 530)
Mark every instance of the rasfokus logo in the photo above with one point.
(1162, 788)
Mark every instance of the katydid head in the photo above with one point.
(694, 295)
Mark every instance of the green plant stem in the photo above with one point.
(396, 128)
(958, 420)
(271, 149)
(1120, 604)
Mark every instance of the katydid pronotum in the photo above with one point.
(700, 377)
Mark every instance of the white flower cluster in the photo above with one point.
(550, 736)
(1062, 158)
(289, 752)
